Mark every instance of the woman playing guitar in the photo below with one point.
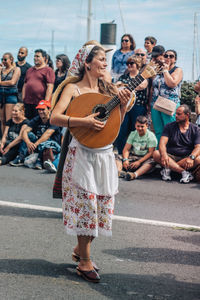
(90, 178)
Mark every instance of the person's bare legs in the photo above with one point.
(181, 162)
(8, 110)
(143, 169)
(174, 166)
(133, 174)
(83, 249)
(119, 165)
(197, 161)
(76, 248)
(3, 119)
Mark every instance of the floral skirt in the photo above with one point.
(84, 212)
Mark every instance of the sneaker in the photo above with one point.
(165, 173)
(122, 174)
(18, 161)
(49, 166)
(38, 165)
(186, 177)
(130, 176)
(30, 160)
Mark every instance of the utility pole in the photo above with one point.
(195, 55)
(89, 19)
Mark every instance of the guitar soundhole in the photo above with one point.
(103, 113)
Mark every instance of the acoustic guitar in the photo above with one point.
(109, 109)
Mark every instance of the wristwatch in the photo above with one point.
(192, 157)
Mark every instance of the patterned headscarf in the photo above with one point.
(79, 60)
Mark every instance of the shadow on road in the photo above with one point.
(158, 255)
(193, 239)
(113, 286)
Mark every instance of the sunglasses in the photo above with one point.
(169, 56)
(139, 54)
(4, 59)
(130, 63)
(126, 41)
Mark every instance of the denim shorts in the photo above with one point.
(9, 94)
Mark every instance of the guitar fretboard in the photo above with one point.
(132, 84)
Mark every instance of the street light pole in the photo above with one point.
(89, 18)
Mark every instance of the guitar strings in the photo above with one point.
(133, 83)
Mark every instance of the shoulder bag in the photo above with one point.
(164, 105)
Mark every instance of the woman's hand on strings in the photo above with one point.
(124, 96)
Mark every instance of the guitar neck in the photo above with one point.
(132, 84)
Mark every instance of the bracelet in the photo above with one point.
(165, 71)
(68, 122)
(124, 159)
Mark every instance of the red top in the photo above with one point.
(36, 84)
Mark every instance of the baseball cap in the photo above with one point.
(43, 104)
(157, 50)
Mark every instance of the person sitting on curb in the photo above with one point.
(11, 138)
(142, 142)
(40, 138)
(179, 147)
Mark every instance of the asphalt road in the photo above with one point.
(148, 197)
(140, 261)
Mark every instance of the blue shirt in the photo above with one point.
(119, 60)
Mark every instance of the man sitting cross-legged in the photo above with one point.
(179, 147)
(141, 142)
(41, 141)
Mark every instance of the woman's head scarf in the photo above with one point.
(79, 61)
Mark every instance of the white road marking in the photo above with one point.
(115, 217)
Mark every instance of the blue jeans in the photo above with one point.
(56, 160)
(23, 150)
(9, 95)
(128, 125)
(159, 120)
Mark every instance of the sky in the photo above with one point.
(32, 23)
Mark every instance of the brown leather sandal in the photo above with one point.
(91, 276)
(76, 258)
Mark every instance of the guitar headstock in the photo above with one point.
(151, 70)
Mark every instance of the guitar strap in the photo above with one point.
(57, 187)
(78, 90)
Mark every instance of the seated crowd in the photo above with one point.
(178, 150)
(29, 139)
